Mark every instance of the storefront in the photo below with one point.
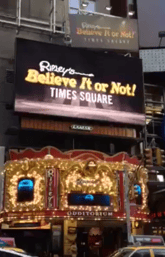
(73, 201)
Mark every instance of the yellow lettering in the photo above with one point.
(128, 90)
(98, 87)
(104, 87)
(123, 90)
(122, 34)
(127, 34)
(65, 81)
(72, 83)
(49, 78)
(32, 76)
(133, 90)
(115, 88)
(98, 33)
(58, 81)
(52, 78)
(89, 84)
(83, 82)
(79, 31)
(115, 34)
(41, 78)
(133, 34)
(107, 33)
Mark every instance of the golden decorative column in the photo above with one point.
(70, 235)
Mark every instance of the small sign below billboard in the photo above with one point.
(7, 242)
(104, 32)
(81, 127)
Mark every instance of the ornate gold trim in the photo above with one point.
(70, 171)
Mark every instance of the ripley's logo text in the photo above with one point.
(92, 26)
(50, 178)
(86, 182)
(46, 66)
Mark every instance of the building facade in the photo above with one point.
(75, 200)
(49, 194)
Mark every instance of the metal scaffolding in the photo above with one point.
(35, 24)
(58, 18)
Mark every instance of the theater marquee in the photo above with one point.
(57, 80)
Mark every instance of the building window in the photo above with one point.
(8, 7)
(141, 253)
(159, 253)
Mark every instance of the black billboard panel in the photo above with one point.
(64, 81)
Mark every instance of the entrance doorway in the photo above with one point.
(110, 239)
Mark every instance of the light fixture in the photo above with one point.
(84, 3)
(131, 11)
(108, 8)
(160, 178)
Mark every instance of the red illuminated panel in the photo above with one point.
(156, 240)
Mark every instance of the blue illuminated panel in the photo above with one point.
(88, 199)
(25, 190)
(138, 190)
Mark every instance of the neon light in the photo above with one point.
(89, 197)
(25, 185)
(138, 189)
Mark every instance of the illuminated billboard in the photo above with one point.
(64, 81)
(94, 31)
